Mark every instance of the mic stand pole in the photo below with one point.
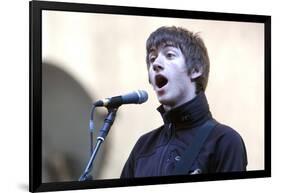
(108, 121)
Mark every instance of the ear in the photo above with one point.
(195, 73)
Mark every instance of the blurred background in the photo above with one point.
(88, 56)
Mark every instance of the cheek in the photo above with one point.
(150, 76)
(179, 76)
(182, 81)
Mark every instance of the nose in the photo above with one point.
(157, 67)
(158, 64)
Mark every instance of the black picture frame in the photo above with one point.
(35, 163)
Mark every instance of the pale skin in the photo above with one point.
(169, 78)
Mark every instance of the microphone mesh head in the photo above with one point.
(143, 96)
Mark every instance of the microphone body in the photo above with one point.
(136, 97)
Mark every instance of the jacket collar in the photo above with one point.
(189, 114)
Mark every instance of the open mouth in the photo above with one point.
(160, 80)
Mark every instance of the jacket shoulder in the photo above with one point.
(222, 131)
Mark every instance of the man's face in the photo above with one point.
(169, 78)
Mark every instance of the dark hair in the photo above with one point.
(190, 44)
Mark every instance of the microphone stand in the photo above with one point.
(108, 121)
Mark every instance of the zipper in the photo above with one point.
(160, 172)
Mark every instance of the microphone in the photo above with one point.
(135, 97)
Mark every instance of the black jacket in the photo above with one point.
(156, 152)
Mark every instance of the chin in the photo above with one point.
(165, 101)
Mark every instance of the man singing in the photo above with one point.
(178, 68)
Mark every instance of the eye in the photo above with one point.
(170, 55)
(152, 58)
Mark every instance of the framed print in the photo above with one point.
(126, 96)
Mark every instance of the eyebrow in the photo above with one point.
(154, 49)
